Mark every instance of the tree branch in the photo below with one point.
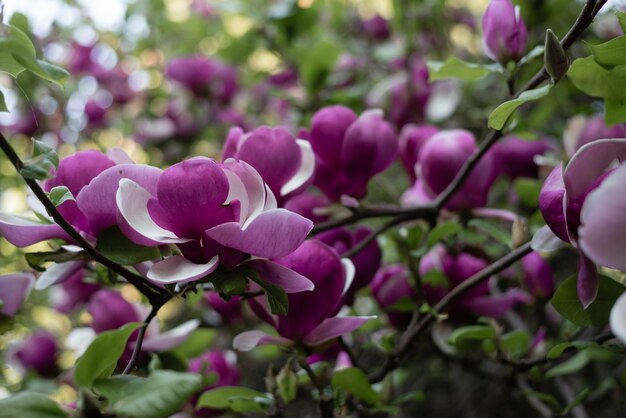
(139, 342)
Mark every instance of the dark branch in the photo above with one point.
(139, 342)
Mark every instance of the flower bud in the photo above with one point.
(14, 289)
(554, 57)
(309, 205)
(390, 286)
(376, 28)
(504, 32)
(538, 275)
(412, 138)
(38, 353)
(514, 157)
(110, 310)
(222, 363)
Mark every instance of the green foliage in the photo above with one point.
(59, 195)
(527, 190)
(443, 231)
(471, 333)
(102, 355)
(287, 383)
(611, 53)
(354, 381)
(42, 162)
(456, 68)
(580, 360)
(160, 395)
(117, 247)
(235, 398)
(502, 113)
(37, 260)
(494, 231)
(566, 302)
(276, 296)
(31, 405)
(315, 63)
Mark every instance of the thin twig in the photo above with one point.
(139, 342)
(155, 295)
(325, 404)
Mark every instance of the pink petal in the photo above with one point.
(132, 201)
(497, 305)
(58, 273)
(245, 185)
(177, 269)
(334, 327)
(14, 288)
(618, 318)
(246, 341)
(170, 339)
(587, 281)
(23, 232)
(272, 234)
(306, 170)
(603, 222)
(287, 279)
(551, 203)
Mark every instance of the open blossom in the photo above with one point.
(218, 214)
(581, 130)
(583, 205)
(391, 285)
(504, 31)
(204, 76)
(350, 150)
(285, 163)
(457, 268)
(312, 319)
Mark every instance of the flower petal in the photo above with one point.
(274, 233)
(246, 341)
(23, 232)
(132, 201)
(178, 269)
(306, 170)
(603, 226)
(551, 203)
(495, 306)
(587, 281)
(245, 185)
(14, 288)
(618, 318)
(171, 338)
(334, 327)
(287, 279)
(349, 271)
(544, 240)
(58, 273)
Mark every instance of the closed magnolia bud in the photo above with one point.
(110, 310)
(504, 32)
(515, 157)
(376, 28)
(38, 353)
(538, 275)
(412, 138)
(390, 286)
(554, 56)
(221, 363)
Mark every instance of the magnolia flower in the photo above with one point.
(285, 163)
(218, 214)
(515, 157)
(38, 353)
(311, 206)
(312, 318)
(504, 32)
(204, 76)
(350, 150)
(14, 289)
(581, 130)
(230, 311)
(538, 276)
(391, 285)
(582, 205)
(376, 28)
(457, 268)
(412, 138)
(221, 363)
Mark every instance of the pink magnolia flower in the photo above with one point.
(412, 138)
(504, 31)
(515, 157)
(14, 289)
(581, 130)
(376, 28)
(312, 319)
(391, 285)
(204, 76)
(38, 353)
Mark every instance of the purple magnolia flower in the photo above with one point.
(504, 32)
(204, 76)
(376, 28)
(311, 206)
(581, 130)
(538, 275)
(115, 81)
(408, 99)
(391, 285)
(230, 311)
(285, 163)
(73, 293)
(412, 138)
(14, 289)
(312, 316)
(37, 353)
(350, 150)
(366, 262)
(582, 205)
(222, 363)
(96, 115)
(441, 158)
(514, 157)
(217, 214)
(80, 58)
(457, 268)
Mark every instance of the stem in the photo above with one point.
(326, 405)
(155, 295)
(139, 342)
(416, 328)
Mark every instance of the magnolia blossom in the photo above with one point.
(38, 353)
(204, 76)
(582, 204)
(311, 206)
(312, 318)
(538, 275)
(581, 130)
(285, 163)
(412, 138)
(391, 286)
(14, 289)
(230, 311)
(222, 363)
(350, 150)
(457, 268)
(515, 157)
(504, 31)
(376, 28)
(218, 214)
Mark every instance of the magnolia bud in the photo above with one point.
(554, 56)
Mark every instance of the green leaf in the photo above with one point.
(593, 79)
(37, 260)
(501, 114)
(582, 395)
(405, 304)
(527, 190)
(44, 159)
(3, 104)
(230, 283)
(159, 396)
(276, 296)
(54, 73)
(30, 405)
(615, 110)
(455, 68)
(226, 396)
(580, 360)
(491, 229)
(317, 63)
(354, 381)
(566, 302)
(17, 44)
(472, 332)
(556, 351)
(287, 383)
(436, 278)
(611, 53)
(116, 246)
(621, 16)
(515, 343)
(197, 343)
(103, 354)
(59, 195)
(441, 231)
